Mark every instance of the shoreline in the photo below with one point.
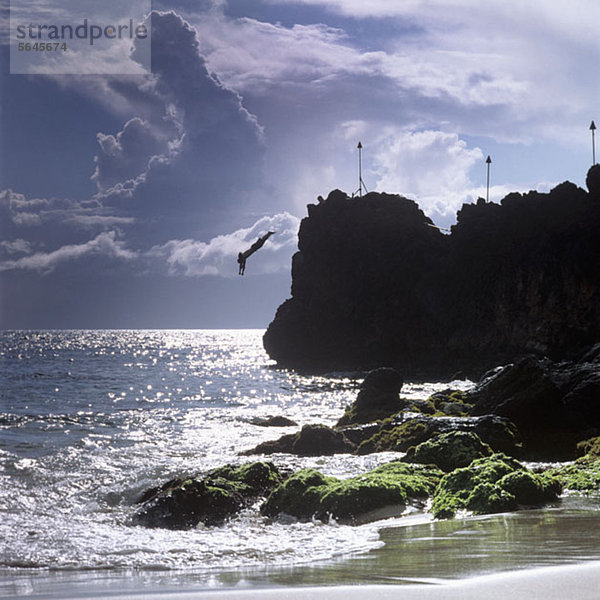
(473, 559)
(550, 582)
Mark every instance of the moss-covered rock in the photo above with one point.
(497, 483)
(421, 405)
(396, 437)
(589, 448)
(581, 476)
(452, 403)
(501, 434)
(252, 479)
(449, 451)
(186, 501)
(310, 494)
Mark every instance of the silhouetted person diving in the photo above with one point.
(258, 244)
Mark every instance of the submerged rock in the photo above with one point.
(449, 451)
(311, 440)
(309, 494)
(378, 398)
(186, 501)
(276, 421)
(497, 483)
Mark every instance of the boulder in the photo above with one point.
(311, 440)
(452, 403)
(497, 483)
(554, 405)
(449, 451)
(399, 435)
(581, 476)
(378, 398)
(184, 502)
(384, 491)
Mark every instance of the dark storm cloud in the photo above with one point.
(179, 167)
(126, 156)
(189, 162)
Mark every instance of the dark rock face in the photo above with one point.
(375, 284)
(593, 181)
(342, 305)
(311, 440)
(379, 397)
(554, 406)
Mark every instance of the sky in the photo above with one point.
(125, 196)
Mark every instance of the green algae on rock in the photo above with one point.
(396, 437)
(583, 475)
(186, 501)
(497, 483)
(251, 479)
(452, 403)
(310, 494)
(589, 448)
(449, 451)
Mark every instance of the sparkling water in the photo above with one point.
(89, 419)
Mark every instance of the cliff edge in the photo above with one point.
(375, 283)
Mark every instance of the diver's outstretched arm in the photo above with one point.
(258, 244)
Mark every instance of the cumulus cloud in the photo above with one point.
(126, 156)
(218, 256)
(105, 244)
(431, 167)
(175, 159)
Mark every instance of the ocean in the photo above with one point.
(90, 419)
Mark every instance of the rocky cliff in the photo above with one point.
(375, 283)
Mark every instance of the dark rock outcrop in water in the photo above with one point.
(554, 406)
(276, 421)
(374, 284)
(186, 501)
(311, 440)
(379, 397)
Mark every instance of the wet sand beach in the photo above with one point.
(545, 554)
